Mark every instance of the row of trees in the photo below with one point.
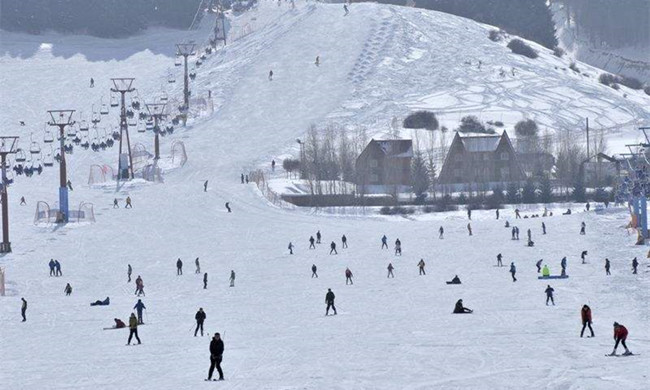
(101, 18)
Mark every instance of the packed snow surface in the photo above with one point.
(378, 62)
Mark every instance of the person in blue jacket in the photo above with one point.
(513, 271)
(139, 307)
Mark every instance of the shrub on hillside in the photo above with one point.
(558, 51)
(647, 90)
(495, 35)
(574, 67)
(526, 127)
(421, 120)
(471, 124)
(520, 47)
(630, 82)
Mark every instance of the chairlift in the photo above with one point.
(68, 148)
(48, 138)
(130, 114)
(170, 78)
(203, 57)
(178, 61)
(34, 148)
(132, 122)
(148, 127)
(110, 142)
(170, 129)
(72, 132)
(37, 167)
(83, 125)
(48, 160)
(115, 134)
(164, 97)
(141, 127)
(114, 100)
(76, 140)
(103, 107)
(9, 178)
(84, 142)
(198, 63)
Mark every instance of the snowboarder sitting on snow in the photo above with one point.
(118, 323)
(620, 335)
(546, 272)
(567, 212)
(531, 243)
(455, 280)
(105, 302)
(460, 309)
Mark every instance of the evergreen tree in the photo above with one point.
(419, 174)
(528, 194)
(546, 190)
(512, 192)
(579, 191)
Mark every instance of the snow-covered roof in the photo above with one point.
(482, 143)
(396, 147)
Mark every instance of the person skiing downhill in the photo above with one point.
(441, 232)
(348, 276)
(543, 228)
(68, 289)
(205, 186)
(317, 63)
(585, 315)
(22, 201)
(139, 306)
(133, 329)
(179, 267)
(129, 270)
(333, 248)
(499, 263)
(384, 242)
(421, 267)
(329, 300)
(92, 83)
(620, 335)
(205, 281)
(549, 294)
(216, 356)
(513, 271)
(271, 75)
(228, 207)
(344, 241)
(313, 271)
(232, 278)
(469, 214)
(198, 266)
(290, 247)
(469, 229)
(583, 227)
(607, 265)
(345, 8)
(128, 203)
(398, 247)
(318, 236)
(635, 264)
(115, 204)
(497, 212)
(23, 309)
(390, 271)
(199, 317)
(539, 265)
(311, 242)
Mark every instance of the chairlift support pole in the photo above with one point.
(123, 86)
(185, 50)
(157, 112)
(61, 119)
(8, 147)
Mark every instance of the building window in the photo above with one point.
(505, 173)
(374, 178)
(374, 163)
(505, 156)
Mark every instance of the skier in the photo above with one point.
(57, 268)
(23, 309)
(139, 306)
(620, 335)
(398, 247)
(530, 235)
(318, 236)
(513, 271)
(133, 329)
(205, 281)
(563, 265)
(348, 276)
(384, 242)
(469, 229)
(549, 294)
(344, 240)
(22, 201)
(442, 233)
(311, 242)
(129, 270)
(228, 207)
(513, 232)
(460, 309)
(546, 272)
(329, 300)
(115, 205)
(92, 83)
(517, 215)
(179, 267)
(69, 184)
(469, 214)
(139, 286)
(583, 256)
(216, 356)
(635, 264)
(242, 178)
(390, 271)
(270, 75)
(499, 263)
(246, 179)
(517, 232)
(583, 226)
(68, 289)
(421, 266)
(585, 314)
(198, 266)
(199, 317)
(507, 224)
(333, 248)
(587, 206)
(317, 61)
(205, 186)
(273, 165)
(313, 271)
(128, 203)
(290, 248)
(607, 267)
(497, 212)
(539, 265)
(543, 228)
(345, 8)
(232, 278)
(52, 271)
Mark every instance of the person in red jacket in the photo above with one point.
(620, 334)
(585, 313)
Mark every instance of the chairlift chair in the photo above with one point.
(103, 107)
(48, 138)
(48, 160)
(114, 100)
(34, 148)
(149, 125)
(9, 177)
(133, 122)
(72, 132)
(170, 78)
(115, 134)
(83, 125)
(141, 127)
(164, 97)
(178, 61)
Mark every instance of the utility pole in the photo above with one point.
(8, 146)
(157, 112)
(588, 154)
(185, 50)
(61, 119)
(220, 25)
(125, 161)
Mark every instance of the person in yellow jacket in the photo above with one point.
(546, 272)
(133, 327)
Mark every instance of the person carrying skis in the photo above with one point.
(620, 335)
(635, 264)
(129, 270)
(398, 247)
(421, 267)
(216, 356)
(384, 242)
(344, 241)
(133, 329)
(23, 309)
(52, 270)
(179, 267)
(311, 242)
(539, 265)
(329, 300)
(585, 314)
(513, 271)
(583, 227)
(290, 247)
(232, 278)
(318, 236)
(499, 263)
(583, 256)
(563, 265)
(68, 289)
(139, 306)
(441, 233)
(390, 271)
(205, 281)
(348, 276)
(333, 248)
(543, 228)
(199, 317)
(198, 266)
(460, 309)
(549, 294)
(607, 264)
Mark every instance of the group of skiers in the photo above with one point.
(55, 268)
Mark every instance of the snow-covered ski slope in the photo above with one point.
(389, 334)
